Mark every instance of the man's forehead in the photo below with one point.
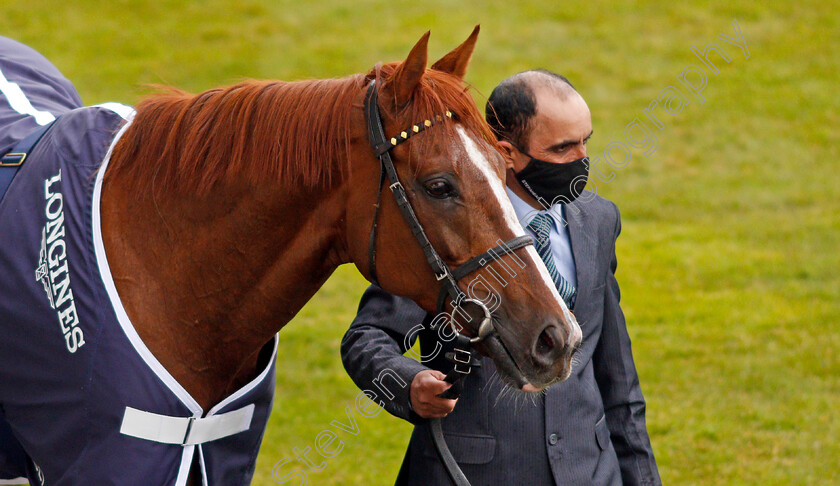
(543, 86)
(551, 99)
(563, 117)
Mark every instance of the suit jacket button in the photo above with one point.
(552, 439)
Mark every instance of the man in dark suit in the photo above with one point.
(589, 429)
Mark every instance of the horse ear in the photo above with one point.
(455, 63)
(408, 74)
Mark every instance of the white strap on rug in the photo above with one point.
(185, 430)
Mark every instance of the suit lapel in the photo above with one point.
(583, 249)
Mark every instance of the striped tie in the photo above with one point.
(541, 227)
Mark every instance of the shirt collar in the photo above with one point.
(525, 212)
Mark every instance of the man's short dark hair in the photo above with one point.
(512, 104)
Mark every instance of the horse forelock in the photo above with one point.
(296, 133)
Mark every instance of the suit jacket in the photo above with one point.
(589, 429)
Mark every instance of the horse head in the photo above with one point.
(448, 166)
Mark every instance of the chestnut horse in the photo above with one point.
(222, 214)
(225, 212)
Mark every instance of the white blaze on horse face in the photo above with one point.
(482, 164)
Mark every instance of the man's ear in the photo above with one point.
(508, 151)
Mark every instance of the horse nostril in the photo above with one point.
(546, 341)
(549, 346)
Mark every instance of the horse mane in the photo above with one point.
(296, 133)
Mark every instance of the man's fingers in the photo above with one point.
(434, 412)
(435, 401)
(438, 374)
(425, 388)
(434, 406)
(438, 412)
(446, 407)
(440, 405)
(437, 415)
(438, 387)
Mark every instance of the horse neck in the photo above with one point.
(208, 280)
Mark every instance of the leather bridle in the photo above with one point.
(449, 278)
(464, 356)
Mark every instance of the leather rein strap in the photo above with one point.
(464, 357)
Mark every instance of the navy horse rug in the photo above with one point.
(82, 399)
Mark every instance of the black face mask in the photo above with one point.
(552, 183)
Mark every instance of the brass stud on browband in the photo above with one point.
(405, 135)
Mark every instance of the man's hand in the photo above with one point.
(425, 388)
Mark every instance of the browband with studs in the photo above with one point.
(406, 134)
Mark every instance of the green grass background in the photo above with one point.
(728, 257)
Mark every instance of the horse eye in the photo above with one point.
(439, 189)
